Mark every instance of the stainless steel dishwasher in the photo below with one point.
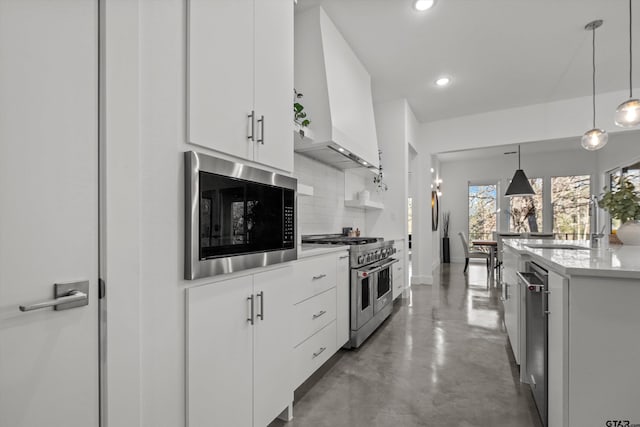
(535, 283)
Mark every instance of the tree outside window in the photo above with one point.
(570, 201)
(525, 212)
(482, 211)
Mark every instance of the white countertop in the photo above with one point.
(309, 249)
(617, 261)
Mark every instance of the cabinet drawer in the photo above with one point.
(312, 353)
(398, 274)
(313, 276)
(313, 314)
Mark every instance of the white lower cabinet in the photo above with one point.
(558, 351)
(313, 352)
(314, 314)
(511, 299)
(320, 311)
(399, 269)
(343, 310)
(239, 350)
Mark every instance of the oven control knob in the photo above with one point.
(368, 257)
(360, 259)
(385, 252)
(378, 254)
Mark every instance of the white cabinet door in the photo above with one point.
(342, 301)
(220, 75)
(399, 269)
(273, 345)
(48, 211)
(511, 301)
(557, 362)
(274, 82)
(220, 354)
(511, 292)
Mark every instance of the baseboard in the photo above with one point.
(421, 280)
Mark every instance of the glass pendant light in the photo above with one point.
(595, 138)
(520, 185)
(628, 113)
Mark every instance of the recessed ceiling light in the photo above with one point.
(364, 163)
(422, 5)
(340, 149)
(443, 81)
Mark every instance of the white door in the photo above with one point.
(48, 211)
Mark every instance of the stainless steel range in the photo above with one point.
(371, 281)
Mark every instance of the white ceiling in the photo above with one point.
(500, 53)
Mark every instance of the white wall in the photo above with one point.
(621, 150)
(324, 212)
(120, 211)
(391, 222)
(162, 313)
(456, 175)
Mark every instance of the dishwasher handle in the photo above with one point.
(532, 285)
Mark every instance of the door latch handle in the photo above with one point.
(66, 296)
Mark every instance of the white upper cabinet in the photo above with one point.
(240, 79)
(336, 88)
(274, 82)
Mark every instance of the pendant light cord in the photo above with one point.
(630, 55)
(519, 157)
(593, 82)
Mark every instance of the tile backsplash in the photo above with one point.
(324, 212)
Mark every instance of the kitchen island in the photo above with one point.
(593, 371)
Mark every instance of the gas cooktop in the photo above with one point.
(338, 239)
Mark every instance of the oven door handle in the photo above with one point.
(365, 273)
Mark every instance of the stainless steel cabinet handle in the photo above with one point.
(261, 124)
(251, 316)
(344, 256)
(320, 314)
(261, 313)
(319, 352)
(319, 277)
(66, 296)
(545, 303)
(252, 117)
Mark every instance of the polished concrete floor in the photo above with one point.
(441, 359)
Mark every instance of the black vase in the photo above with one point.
(446, 257)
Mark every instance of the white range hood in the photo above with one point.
(337, 95)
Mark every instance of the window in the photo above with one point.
(570, 202)
(632, 173)
(482, 211)
(525, 212)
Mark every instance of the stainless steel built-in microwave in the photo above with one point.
(236, 217)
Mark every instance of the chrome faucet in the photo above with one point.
(595, 237)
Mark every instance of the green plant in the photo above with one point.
(622, 202)
(299, 115)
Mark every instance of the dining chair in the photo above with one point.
(469, 253)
